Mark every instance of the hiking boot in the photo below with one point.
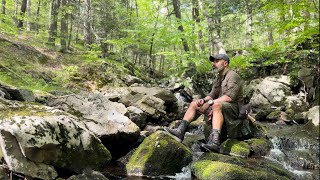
(213, 143)
(179, 131)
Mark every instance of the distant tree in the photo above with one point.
(22, 13)
(3, 7)
(55, 5)
(64, 26)
(177, 12)
(88, 36)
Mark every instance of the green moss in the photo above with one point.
(159, 154)
(208, 170)
(260, 146)
(222, 158)
(235, 147)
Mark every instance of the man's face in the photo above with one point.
(218, 65)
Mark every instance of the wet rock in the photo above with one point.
(235, 148)
(260, 146)
(88, 175)
(256, 164)
(208, 170)
(159, 154)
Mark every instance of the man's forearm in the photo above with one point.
(223, 98)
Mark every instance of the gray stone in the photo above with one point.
(313, 115)
(137, 116)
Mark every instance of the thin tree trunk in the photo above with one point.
(249, 25)
(55, 4)
(37, 17)
(177, 12)
(3, 7)
(137, 8)
(28, 15)
(22, 13)
(86, 23)
(70, 32)
(64, 27)
(196, 18)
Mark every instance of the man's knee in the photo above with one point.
(216, 107)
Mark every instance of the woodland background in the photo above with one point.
(152, 39)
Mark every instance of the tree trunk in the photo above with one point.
(196, 19)
(22, 13)
(249, 25)
(86, 23)
(55, 4)
(37, 17)
(64, 27)
(270, 37)
(3, 7)
(28, 15)
(177, 12)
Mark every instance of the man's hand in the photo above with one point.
(200, 102)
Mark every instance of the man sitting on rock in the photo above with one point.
(221, 106)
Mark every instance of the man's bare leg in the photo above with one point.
(192, 110)
(217, 117)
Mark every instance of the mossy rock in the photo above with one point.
(208, 170)
(260, 146)
(273, 116)
(222, 158)
(262, 114)
(235, 148)
(268, 166)
(258, 130)
(159, 154)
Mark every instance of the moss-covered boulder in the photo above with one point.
(208, 170)
(235, 148)
(159, 154)
(34, 139)
(260, 146)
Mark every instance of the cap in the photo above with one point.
(219, 56)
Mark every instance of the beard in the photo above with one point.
(218, 70)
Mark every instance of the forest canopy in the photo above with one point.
(166, 36)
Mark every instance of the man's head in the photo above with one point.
(219, 62)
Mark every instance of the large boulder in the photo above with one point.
(276, 91)
(34, 139)
(159, 154)
(207, 170)
(102, 116)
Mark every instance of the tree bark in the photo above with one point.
(196, 19)
(37, 17)
(55, 5)
(28, 15)
(249, 25)
(86, 23)
(64, 27)
(3, 7)
(177, 12)
(22, 13)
